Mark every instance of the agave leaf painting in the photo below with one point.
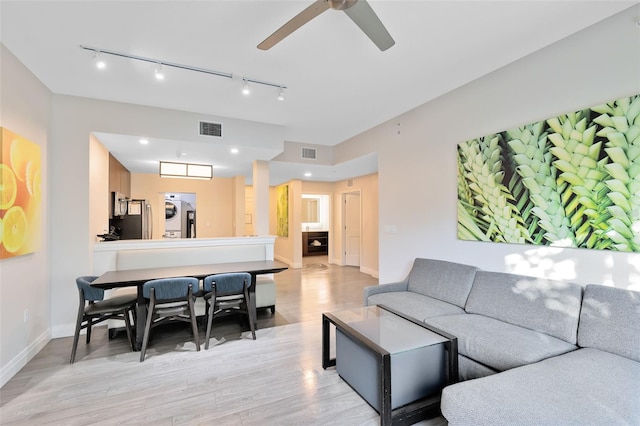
(282, 210)
(569, 181)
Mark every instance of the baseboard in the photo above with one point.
(20, 360)
(64, 330)
(288, 262)
(369, 271)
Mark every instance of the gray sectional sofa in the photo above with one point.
(531, 351)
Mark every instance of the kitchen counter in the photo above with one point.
(234, 249)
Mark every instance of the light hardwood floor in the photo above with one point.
(275, 380)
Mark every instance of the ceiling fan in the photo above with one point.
(359, 11)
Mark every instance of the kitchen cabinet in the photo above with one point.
(119, 177)
(315, 243)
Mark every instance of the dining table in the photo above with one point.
(137, 278)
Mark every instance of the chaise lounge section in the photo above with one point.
(531, 350)
(597, 384)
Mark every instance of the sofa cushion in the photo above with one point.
(548, 306)
(446, 281)
(469, 369)
(610, 321)
(584, 387)
(415, 305)
(497, 344)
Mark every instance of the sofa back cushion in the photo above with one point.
(610, 321)
(539, 304)
(446, 281)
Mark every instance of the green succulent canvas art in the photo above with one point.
(282, 210)
(569, 181)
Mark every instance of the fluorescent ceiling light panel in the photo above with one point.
(185, 170)
(200, 171)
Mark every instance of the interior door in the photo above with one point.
(352, 229)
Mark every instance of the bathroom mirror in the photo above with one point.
(310, 210)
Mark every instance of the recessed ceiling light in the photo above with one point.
(234, 150)
(144, 141)
(308, 174)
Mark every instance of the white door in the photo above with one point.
(352, 229)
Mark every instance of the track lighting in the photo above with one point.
(97, 59)
(98, 53)
(159, 73)
(245, 88)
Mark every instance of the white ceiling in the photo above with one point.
(339, 83)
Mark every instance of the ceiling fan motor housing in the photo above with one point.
(341, 4)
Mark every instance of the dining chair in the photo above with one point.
(94, 309)
(170, 299)
(224, 294)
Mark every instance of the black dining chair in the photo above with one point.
(94, 309)
(224, 294)
(170, 299)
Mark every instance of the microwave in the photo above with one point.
(119, 203)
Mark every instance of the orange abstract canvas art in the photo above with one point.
(20, 195)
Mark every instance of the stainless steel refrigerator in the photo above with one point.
(137, 223)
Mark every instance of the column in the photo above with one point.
(261, 197)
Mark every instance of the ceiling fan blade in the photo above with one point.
(363, 15)
(296, 22)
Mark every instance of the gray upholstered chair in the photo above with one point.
(169, 299)
(94, 309)
(227, 293)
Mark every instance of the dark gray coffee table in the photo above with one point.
(398, 364)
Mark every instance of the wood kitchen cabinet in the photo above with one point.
(315, 243)
(119, 177)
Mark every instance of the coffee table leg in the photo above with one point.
(386, 414)
(326, 340)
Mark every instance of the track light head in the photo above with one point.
(158, 72)
(97, 59)
(99, 62)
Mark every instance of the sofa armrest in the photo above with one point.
(384, 288)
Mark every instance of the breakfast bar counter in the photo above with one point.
(138, 254)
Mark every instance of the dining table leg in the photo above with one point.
(253, 314)
(141, 318)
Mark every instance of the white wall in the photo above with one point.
(24, 281)
(417, 158)
(73, 120)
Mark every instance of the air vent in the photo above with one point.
(309, 153)
(350, 183)
(210, 129)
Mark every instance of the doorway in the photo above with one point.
(180, 215)
(351, 216)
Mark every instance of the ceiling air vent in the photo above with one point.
(210, 129)
(309, 153)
